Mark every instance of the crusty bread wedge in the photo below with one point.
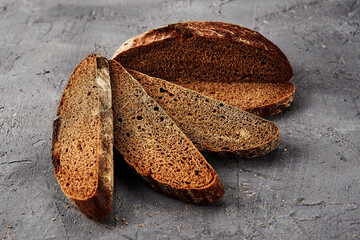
(212, 126)
(214, 58)
(82, 144)
(155, 147)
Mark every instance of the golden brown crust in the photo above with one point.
(98, 204)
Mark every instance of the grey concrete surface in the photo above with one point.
(307, 189)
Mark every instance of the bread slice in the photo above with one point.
(155, 147)
(212, 125)
(220, 55)
(82, 143)
(259, 98)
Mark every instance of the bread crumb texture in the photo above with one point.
(150, 141)
(154, 145)
(210, 124)
(78, 135)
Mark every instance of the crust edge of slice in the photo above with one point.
(274, 107)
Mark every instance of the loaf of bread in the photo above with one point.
(153, 145)
(212, 126)
(212, 70)
(82, 143)
(218, 57)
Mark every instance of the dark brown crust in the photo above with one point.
(216, 30)
(99, 205)
(208, 194)
(56, 147)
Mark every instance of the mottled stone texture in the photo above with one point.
(307, 189)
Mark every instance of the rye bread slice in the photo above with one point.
(153, 145)
(259, 98)
(82, 143)
(212, 125)
(192, 53)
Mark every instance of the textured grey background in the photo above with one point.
(307, 189)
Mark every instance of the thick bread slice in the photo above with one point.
(212, 126)
(211, 52)
(155, 147)
(259, 98)
(82, 144)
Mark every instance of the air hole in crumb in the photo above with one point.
(156, 109)
(196, 172)
(162, 119)
(89, 93)
(221, 105)
(79, 146)
(226, 148)
(139, 117)
(120, 120)
(245, 76)
(128, 134)
(67, 184)
(223, 117)
(162, 90)
(263, 63)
